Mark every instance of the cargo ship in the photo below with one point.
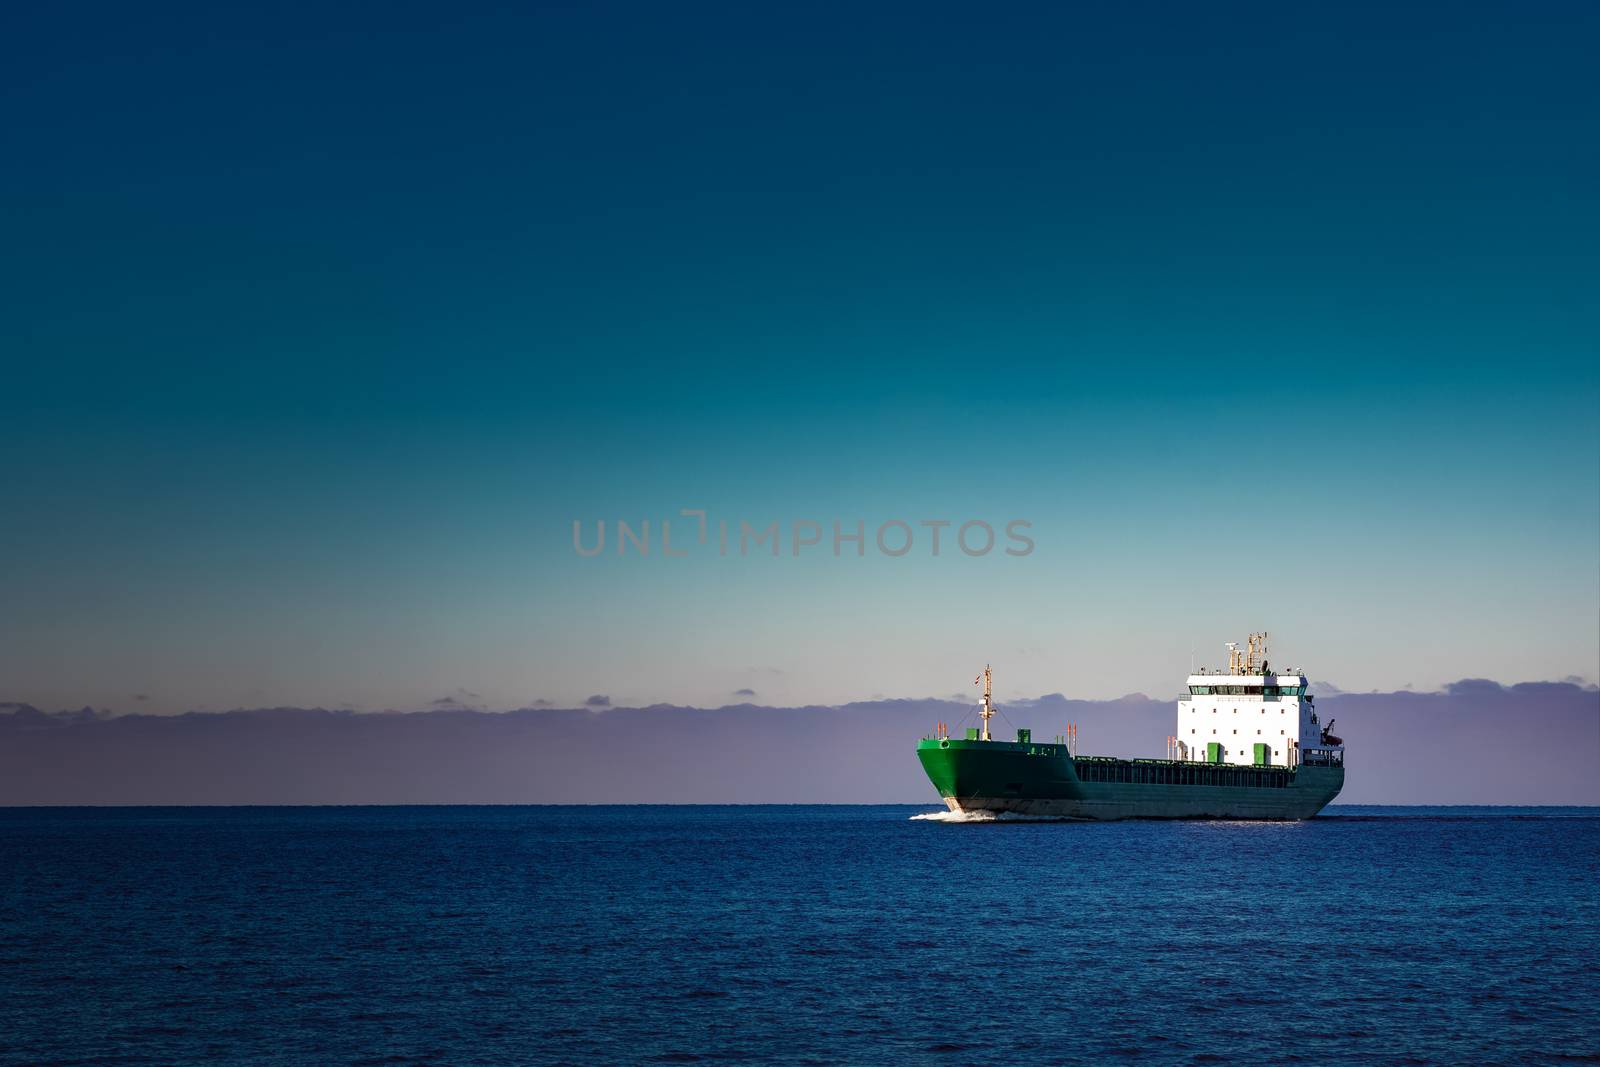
(1248, 745)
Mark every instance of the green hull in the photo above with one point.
(1045, 779)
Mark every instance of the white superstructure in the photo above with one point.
(1252, 715)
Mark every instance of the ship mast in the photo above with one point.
(1252, 659)
(988, 705)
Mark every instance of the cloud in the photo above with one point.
(599, 700)
(1404, 748)
(1472, 687)
(744, 692)
(461, 698)
(26, 716)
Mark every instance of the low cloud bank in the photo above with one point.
(1477, 742)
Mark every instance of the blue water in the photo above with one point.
(799, 934)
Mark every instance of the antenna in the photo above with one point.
(1255, 661)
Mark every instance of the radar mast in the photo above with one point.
(988, 704)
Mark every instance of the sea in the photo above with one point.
(805, 935)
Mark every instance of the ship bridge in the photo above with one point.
(1252, 715)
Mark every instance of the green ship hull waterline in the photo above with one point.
(1249, 746)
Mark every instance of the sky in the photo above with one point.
(324, 324)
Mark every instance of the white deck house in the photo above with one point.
(1251, 715)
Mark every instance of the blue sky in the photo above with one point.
(324, 324)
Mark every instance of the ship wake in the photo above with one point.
(988, 816)
(955, 816)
